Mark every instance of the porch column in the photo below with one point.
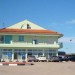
(12, 55)
(26, 55)
(43, 53)
(56, 52)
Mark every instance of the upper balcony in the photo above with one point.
(30, 45)
(9, 41)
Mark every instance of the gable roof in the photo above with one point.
(21, 28)
(23, 25)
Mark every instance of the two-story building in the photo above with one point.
(24, 39)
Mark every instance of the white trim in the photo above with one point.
(32, 34)
(12, 64)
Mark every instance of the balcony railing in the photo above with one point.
(30, 45)
(61, 44)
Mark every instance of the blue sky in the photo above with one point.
(57, 15)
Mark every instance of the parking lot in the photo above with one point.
(40, 68)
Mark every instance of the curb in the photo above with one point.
(9, 64)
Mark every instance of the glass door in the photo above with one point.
(8, 39)
(19, 55)
(7, 55)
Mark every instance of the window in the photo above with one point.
(8, 39)
(28, 26)
(34, 52)
(40, 53)
(1, 39)
(21, 38)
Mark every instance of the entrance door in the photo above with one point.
(15, 56)
(23, 56)
(9, 56)
(19, 56)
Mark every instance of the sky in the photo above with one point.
(57, 15)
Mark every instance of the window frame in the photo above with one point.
(21, 38)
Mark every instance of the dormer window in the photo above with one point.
(28, 26)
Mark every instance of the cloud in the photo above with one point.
(71, 22)
(67, 40)
(63, 23)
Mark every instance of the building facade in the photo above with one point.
(24, 39)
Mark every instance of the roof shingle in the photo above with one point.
(28, 31)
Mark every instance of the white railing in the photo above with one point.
(61, 44)
(26, 45)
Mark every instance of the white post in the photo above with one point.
(26, 55)
(11, 41)
(12, 55)
(56, 52)
(33, 42)
(55, 42)
(43, 52)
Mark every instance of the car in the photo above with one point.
(32, 59)
(41, 58)
(58, 59)
(72, 58)
(61, 58)
(54, 59)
